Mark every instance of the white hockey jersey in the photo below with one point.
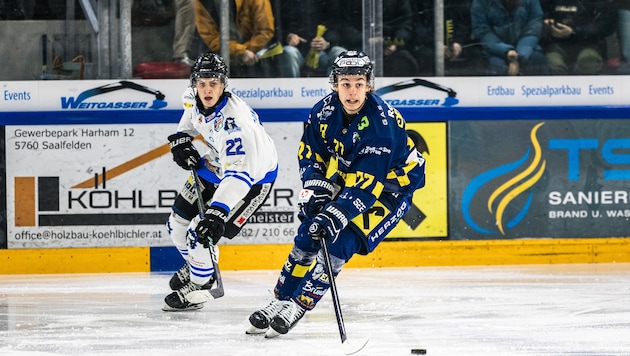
(240, 153)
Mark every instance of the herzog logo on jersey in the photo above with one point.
(519, 178)
(80, 101)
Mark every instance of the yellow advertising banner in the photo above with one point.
(428, 217)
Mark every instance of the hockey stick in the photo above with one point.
(216, 292)
(347, 347)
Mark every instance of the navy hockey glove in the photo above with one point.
(210, 229)
(328, 224)
(312, 199)
(184, 153)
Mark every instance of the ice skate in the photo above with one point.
(259, 320)
(188, 307)
(190, 297)
(180, 278)
(286, 320)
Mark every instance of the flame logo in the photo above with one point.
(502, 196)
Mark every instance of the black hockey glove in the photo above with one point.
(211, 227)
(184, 153)
(328, 224)
(315, 195)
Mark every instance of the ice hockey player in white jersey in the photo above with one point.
(236, 174)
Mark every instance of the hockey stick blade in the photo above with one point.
(352, 348)
(204, 295)
(217, 292)
(199, 296)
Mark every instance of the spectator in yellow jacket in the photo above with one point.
(251, 29)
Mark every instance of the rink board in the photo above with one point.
(446, 235)
(389, 254)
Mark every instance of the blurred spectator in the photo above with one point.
(299, 31)
(462, 53)
(623, 33)
(11, 10)
(42, 11)
(251, 29)
(397, 33)
(57, 9)
(184, 31)
(423, 41)
(509, 31)
(151, 12)
(574, 35)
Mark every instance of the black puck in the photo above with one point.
(418, 351)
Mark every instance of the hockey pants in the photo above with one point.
(185, 209)
(304, 277)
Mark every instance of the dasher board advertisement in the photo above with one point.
(434, 92)
(113, 185)
(539, 179)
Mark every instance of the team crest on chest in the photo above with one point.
(230, 125)
(218, 122)
(327, 110)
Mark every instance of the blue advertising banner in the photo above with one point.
(539, 179)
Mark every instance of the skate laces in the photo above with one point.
(189, 287)
(271, 309)
(291, 312)
(184, 273)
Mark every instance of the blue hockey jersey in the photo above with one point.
(370, 155)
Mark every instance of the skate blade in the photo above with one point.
(199, 296)
(353, 348)
(271, 333)
(252, 330)
(190, 307)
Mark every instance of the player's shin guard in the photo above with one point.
(201, 271)
(295, 268)
(309, 292)
(177, 227)
(201, 268)
(316, 282)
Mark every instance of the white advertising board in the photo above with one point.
(89, 185)
(96, 95)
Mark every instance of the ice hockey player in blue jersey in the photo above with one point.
(359, 170)
(236, 175)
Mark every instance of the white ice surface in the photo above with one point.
(580, 309)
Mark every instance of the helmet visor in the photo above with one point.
(351, 71)
(207, 74)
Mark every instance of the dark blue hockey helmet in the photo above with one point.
(352, 62)
(209, 65)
